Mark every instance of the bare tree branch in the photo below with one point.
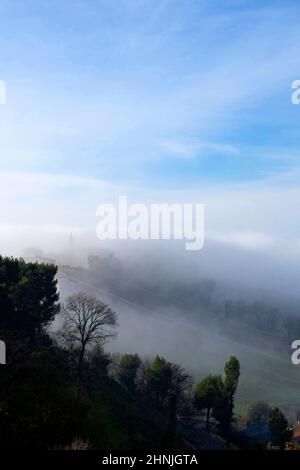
(87, 320)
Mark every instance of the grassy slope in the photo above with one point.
(115, 421)
(266, 373)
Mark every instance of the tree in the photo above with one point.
(87, 321)
(98, 363)
(39, 406)
(159, 379)
(280, 432)
(106, 269)
(127, 370)
(292, 326)
(232, 373)
(181, 385)
(218, 394)
(207, 395)
(28, 297)
(222, 412)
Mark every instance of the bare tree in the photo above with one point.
(87, 321)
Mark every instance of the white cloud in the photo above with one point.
(250, 216)
(196, 149)
(247, 240)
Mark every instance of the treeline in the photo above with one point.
(262, 317)
(199, 297)
(148, 285)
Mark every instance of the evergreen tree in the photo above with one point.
(280, 432)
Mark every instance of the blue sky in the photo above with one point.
(194, 91)
(154, 95)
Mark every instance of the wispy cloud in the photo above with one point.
(193, 150)
(138, 73)
(247, 240)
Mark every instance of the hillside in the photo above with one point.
(201, 345)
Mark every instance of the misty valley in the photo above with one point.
(108, 321)
(188, 319)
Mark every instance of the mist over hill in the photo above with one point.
(186, 309)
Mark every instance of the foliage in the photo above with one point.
(280, 432)
(208, 393)
(159, 379)
(127, 370)
(216, 394)
(87, 322)
(28, 297)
